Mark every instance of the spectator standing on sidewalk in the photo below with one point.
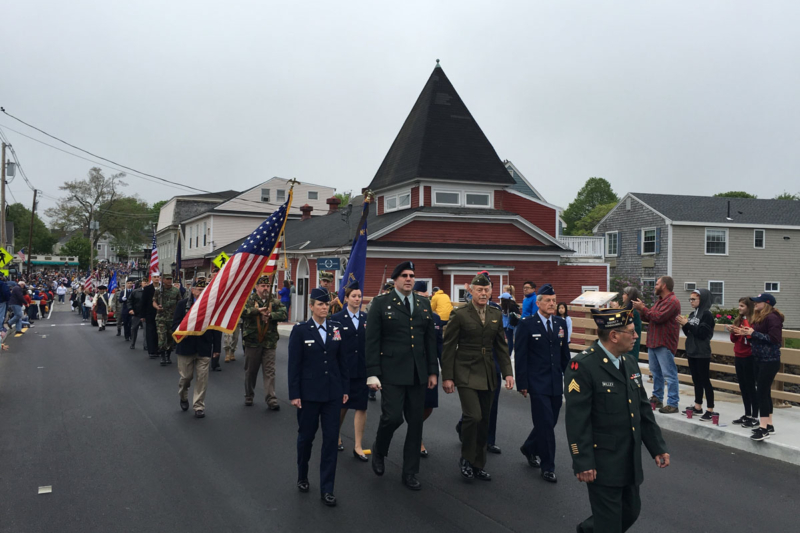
(699, 329)
(529, 307)
(629, 295)
(662, 342)
(561, 311)
(745, 364)
(766, 334)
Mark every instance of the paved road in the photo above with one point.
(101, 424)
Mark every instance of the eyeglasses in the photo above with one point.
(694, 299)
(406, 275)
(628, 331)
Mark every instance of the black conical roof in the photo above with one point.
(440, 140)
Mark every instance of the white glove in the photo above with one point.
(373, 380)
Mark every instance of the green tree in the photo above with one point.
(156, 207)
(344, 197)
(43, 239)
(78, 246)
(585, 225)
(595, 192)
(787, 196)
(735, 194)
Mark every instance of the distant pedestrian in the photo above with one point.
(699, 329)
(441, 304)
(286, 297)
(529, 305)
(562, 312)
(745, 364)
(61, 291)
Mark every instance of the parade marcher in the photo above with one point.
(150, 329)
(699, 329)
(318, 386)
(100, 306)
(194, 353)
(326, 281)
(354, 322)
(230, 340)
(608, 418)
(121, 308)
(165, 301)
(138, 314)
(473, 334)
(401, 363)
(542, 354)
(431, 395)
(260, 318)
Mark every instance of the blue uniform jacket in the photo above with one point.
(353, 340)
(317, 370)
(540, 359)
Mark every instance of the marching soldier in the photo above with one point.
(473, 334)
(121, 308)
(231, 340)
(100, 304)
(165, 301)
(542, 353)
(148, 301)
(401, 363)
(260, 318)
(326, 282)
(608, 417)
(318, 387)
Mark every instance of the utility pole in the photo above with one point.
(30, 230)
(3, 199)
(91, 239)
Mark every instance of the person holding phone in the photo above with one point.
(745, 364)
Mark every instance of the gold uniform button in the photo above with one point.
(629, 401)
(631, 415)
(633, 429)
(595, 445)
(412, 336)
(608, 390)
(412, 327)
(605, 359)
(412, 345)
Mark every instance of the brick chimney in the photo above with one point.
(306, 210)
(333, 204)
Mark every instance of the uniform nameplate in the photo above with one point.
(536, 335)
(608, 384)
(310, 342)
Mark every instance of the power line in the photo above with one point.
(131, 169)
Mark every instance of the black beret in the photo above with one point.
(547, 290)
(320, 295)
(612, 318)
(421, 286)
(405, 265)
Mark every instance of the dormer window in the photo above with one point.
(462, 198)
(478, 199)
(452, 198)
(265, 195)
(398, 201)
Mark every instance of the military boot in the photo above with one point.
(163, 359)
(169, 361)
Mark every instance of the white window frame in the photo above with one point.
(587, 288)
(766, 289)
(655, 237)
(315, 193)
(447, 191)
(648, 280)
(616, 253)
(705, 241)
(401, 197)
(488, 196)
(265, 194)
(721, 303)
(763, 239)
(280, 195)
(396, 199)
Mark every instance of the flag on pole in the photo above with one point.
(154, 257)
(221, 303)
(272, 264)
(357, 262)
(112, 284)
(88, 283)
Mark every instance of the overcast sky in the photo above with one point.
(667, 97)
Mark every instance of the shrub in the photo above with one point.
(724, 316)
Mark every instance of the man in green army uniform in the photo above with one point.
(326, 281)
(165, 301)
(259, 326)
(230, 340)
(474, 332)
(608, 417)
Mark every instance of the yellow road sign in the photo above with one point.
(4, 272)
(221, 259)
(5, 257)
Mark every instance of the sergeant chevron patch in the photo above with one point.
(573, 386)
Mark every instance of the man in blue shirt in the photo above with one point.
(529, 307)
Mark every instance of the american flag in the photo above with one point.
(222, 302)
(154, 257)
(88, 284)
(272, 264)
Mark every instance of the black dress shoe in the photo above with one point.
(481, 474)
(549, 476)
(377, 462)
(248, 403)
(361, 457)
(533, 460)
(423, 454)
(199, 413)
(412, 482)
(118, 333)
(458, 430)
(302, 485)
(466, 469)
(329, 499)
(276, 407)
(493, 448)
(340, 447)
(185, 405)
(133, 347)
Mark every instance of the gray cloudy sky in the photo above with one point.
(659, 96)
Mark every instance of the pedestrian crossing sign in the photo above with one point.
(221, 259)
(5, 258)
(4, 272)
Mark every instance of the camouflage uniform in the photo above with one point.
(260, 352)
(168, 299)
(230, 340)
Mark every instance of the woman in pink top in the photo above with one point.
(745, 364)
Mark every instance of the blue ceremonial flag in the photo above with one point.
(357, 262)
(112, 285)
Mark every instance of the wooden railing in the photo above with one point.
(585, 246)
(584, 329)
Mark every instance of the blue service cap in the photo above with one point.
(320, 295)
(546, 290)
(421, 286)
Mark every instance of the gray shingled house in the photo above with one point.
(732, 246)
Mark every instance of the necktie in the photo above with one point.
(408, 305)
(549, 329)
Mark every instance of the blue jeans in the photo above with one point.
(3, 311)
(17, 318)
(662, 365)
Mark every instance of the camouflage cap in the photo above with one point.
(263, 280)
(326, 276)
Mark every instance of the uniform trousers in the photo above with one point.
(255, 357)
(309, 418)
(542, 439)
(187, 364)
(398, 402)
(614, 509)
(137, 323)
(126, 323)
(230, 340)
(151, 333)
(166, 342)
(476, 406)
